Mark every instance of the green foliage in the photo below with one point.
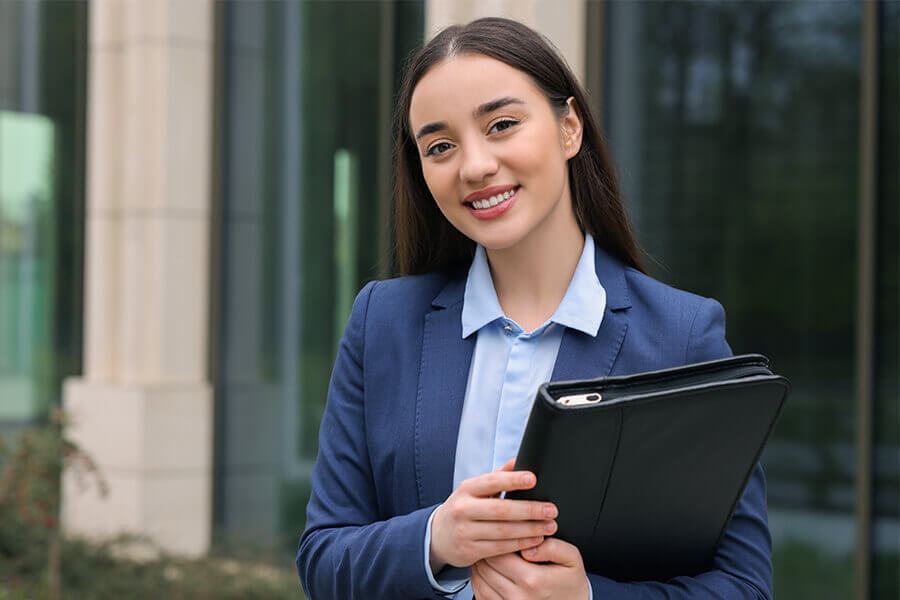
(98, 571)
(37, 562)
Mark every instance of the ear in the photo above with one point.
(571, 129)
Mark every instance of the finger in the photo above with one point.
(508, 530)
(496, 548)
(494, 582)
(491, 484)
(556, 551)
(501, 509)
(510, 566)
(481, 591)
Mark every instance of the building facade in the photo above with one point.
(191, 193)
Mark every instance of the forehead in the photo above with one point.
(454, 87)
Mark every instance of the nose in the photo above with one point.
(478, 162)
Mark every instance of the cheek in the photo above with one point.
(441, 184)
(539, 152)
(438, 184)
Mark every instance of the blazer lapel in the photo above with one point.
(443, 375)
(584, 357)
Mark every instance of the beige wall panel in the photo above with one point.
(107, 23)
(142, 428)
(562, 21)
(143, 409)
(163, 508)
(183, 301)
(138, 345)
(153, 447)
(168, 129)
(146, 87)
(164, 299)
(165, 21)
(105, 121)
(188, 129)
(102, 300)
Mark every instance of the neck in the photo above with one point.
(531, 277)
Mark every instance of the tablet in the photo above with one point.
(647, 474)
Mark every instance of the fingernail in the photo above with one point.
(550, 527)
(525, 479)
(549, 512)
(531, 552)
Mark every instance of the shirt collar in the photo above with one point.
(480, 303)
(581, 308)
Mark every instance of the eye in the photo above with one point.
(433, 150)
(503, 125)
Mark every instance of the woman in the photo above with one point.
(521, 268)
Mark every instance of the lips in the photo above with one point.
(495, 192)
(493, 200)
(496, 204)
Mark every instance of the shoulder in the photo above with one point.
(651, 295)
(412, 288)
(667, 316)
(406, 295)
(398, 303)
(387, 322)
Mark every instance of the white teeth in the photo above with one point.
(493, 200)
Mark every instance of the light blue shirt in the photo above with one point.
(507, 367)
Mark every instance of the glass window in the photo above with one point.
(886, 422)
(735, 127)
(305, 175)
(42, 83)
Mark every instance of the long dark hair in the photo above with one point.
(426, 241)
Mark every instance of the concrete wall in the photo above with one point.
(143, 409)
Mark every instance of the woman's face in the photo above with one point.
(493, 151)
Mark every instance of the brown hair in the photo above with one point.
(426, 241)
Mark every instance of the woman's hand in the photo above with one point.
(474, 523)
(514, 577)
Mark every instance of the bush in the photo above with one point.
(36, 561)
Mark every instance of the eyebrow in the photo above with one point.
(484, 109)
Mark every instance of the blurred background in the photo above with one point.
(192, 192)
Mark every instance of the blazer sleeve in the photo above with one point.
(346, 550)
(742, 567)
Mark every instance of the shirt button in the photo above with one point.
(507, 327)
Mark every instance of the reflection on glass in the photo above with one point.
(42, 81)
(345, 227)
(886, 451)
(26, 195)
(735, 127)
(301, 228)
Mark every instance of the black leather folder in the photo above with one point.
(647, 476)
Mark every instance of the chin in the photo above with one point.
(498, 241)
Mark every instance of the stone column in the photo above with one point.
(143, 409)
(562, 21)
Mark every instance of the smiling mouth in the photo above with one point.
(493, 200)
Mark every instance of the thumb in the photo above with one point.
(554, 550)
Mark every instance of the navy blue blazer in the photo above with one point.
(387, 441)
